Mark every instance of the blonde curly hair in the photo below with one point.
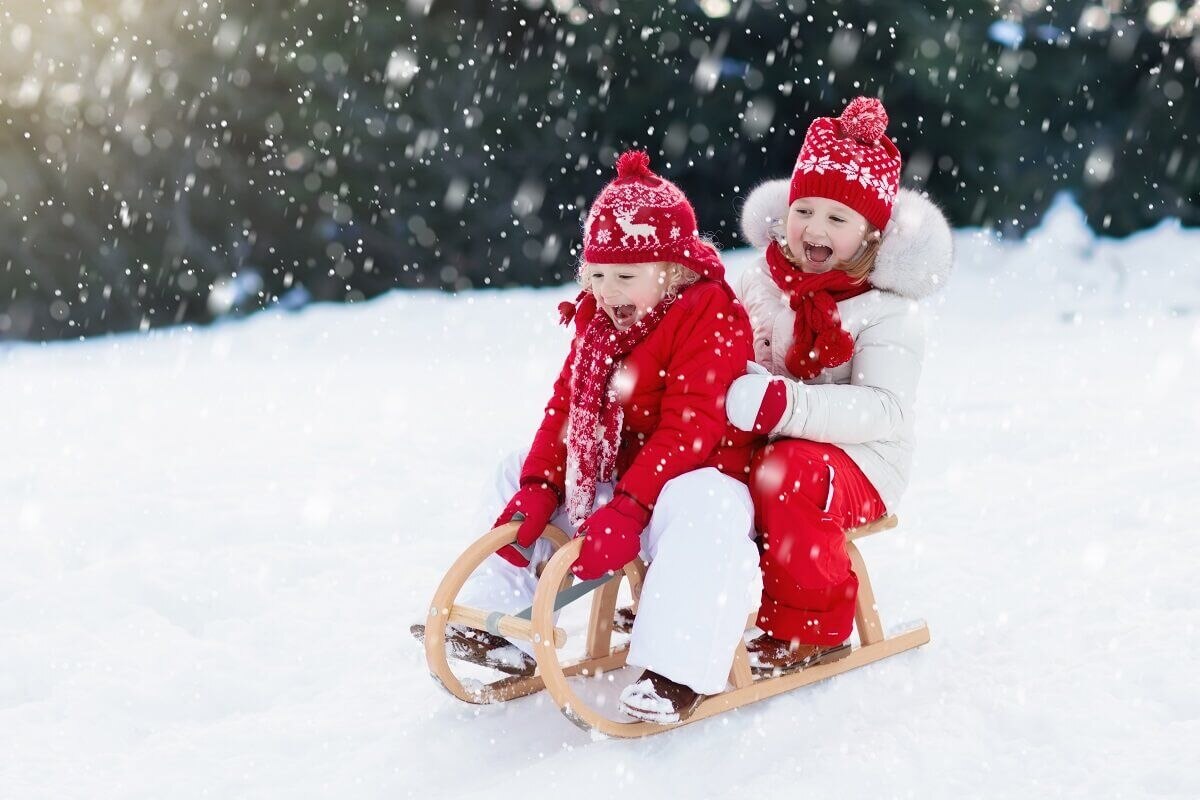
(675, 276)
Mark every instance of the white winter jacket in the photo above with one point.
(864, 406)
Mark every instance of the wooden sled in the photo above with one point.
(599, 655)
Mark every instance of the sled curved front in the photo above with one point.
(443, 603)
(598, 657)
(549, 667)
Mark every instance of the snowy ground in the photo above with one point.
(216, 540)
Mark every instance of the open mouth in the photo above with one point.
(624, 315)
(816, 253)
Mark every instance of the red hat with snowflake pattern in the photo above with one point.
(851, 160)
(642, 217)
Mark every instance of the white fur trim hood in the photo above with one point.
(915, 256)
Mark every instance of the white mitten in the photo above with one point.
(758, 397)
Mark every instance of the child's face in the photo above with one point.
(627, 291)
(824, 234)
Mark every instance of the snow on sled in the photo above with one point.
(556, 588)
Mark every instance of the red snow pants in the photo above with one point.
(806, 495)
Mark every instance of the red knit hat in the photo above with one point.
(641, 217)
(849, 159)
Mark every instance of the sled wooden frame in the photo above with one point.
(600, 657)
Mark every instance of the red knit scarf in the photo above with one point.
(595, 417)
(818, 338)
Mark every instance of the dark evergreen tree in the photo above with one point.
(182, 161)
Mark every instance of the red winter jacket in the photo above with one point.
(672, 389)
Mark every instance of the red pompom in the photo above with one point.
(798, 362)
(566, 312)
(834, 346)
(865, 119)
(634, 164)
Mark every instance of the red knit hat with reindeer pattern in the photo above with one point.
(641, 217)
(851, 160)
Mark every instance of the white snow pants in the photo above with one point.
(702, 583)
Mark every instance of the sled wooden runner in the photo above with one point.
(600, 656)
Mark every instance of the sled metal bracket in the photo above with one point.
(571, 594)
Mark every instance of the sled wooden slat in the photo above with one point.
(866, 615)
(881, 524)
(740, 675)
(509, 626)
(600, 620)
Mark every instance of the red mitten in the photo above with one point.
(533, 505)
(612, 537)
(757, 403)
